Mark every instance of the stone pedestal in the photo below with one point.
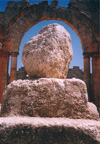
(48, 97)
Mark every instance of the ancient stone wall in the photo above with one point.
(75, 72)
(12, 9)
(21, 73)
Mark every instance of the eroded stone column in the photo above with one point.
(13, 70)
(4, 60)
(96, 78)
(86, 75)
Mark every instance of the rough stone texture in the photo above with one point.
(48, 131)
(49, 53)
(48, 97)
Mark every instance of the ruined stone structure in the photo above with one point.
(21, 74)
(48, 109)
(82, 16)
(75, 72)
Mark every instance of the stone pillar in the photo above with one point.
(13, 70)
(96, 78)
(4, 60)
(86, 75)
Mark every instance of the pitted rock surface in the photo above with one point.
(29, 130)
(49, 53)
(48, 97)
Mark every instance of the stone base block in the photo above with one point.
(26, 130)
(48, 97)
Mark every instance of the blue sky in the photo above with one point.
(76, 45)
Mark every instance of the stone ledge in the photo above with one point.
(48, 97)
(35, 130)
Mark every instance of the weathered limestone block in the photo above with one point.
(49, 53)
(27, 130)
(48, 97)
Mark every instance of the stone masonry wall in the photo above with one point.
(21, 73)
(75, 72)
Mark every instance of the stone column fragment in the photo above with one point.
(96, 78)
(86, 75)
(4, 60)
(13, 71)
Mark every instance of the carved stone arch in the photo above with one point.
(29, 16)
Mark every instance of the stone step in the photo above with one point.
(36, 130)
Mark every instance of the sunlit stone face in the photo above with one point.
(49, 53)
